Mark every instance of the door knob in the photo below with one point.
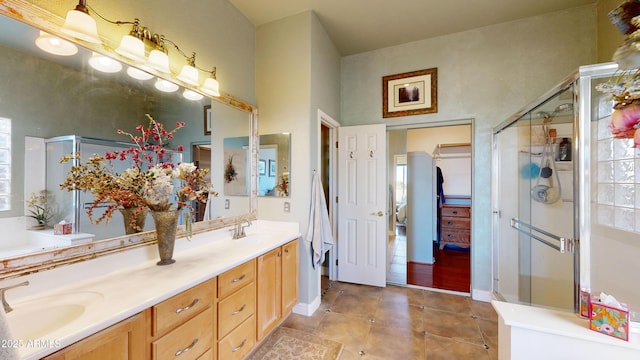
(379, 213)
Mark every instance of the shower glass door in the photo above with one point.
(534, 214)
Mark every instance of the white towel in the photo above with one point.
(319, 233)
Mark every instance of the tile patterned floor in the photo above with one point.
(402, 323)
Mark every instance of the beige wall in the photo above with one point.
(609, 37)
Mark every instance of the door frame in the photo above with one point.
(333, 125)
(446, 123)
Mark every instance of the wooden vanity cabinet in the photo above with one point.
(277, 280)
(124, 340)
(236, 311)
(184, 326)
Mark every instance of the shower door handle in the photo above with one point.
(566, 244)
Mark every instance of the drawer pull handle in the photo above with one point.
(179, 310)
(180, 352)
(238, 279)
(239, 310)
(455, 212)
(449, 223)
(286, 251)
(240, 346)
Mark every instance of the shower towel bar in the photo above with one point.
(566, 244)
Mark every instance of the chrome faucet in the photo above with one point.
(238, 230)
(5, 304)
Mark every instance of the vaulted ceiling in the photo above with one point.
(357, 26)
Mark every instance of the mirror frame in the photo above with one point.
(30, 14)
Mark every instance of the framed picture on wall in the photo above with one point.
(207, 120)
(410, 93)
(272, 168)
(262, 167)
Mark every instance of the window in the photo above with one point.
(5, 164)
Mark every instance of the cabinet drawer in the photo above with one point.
(239, 342)
(456, 211)
(236, 278)
(235, 309)
(183, 306)
(459, 237)
(188, 341)
(456, 223)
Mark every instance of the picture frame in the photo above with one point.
(272, 168)
(262, 167)
(207, 119)
(410, 93)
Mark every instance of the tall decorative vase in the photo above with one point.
(140, 215)
(166, 226)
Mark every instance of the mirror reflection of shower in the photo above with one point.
(547, 189)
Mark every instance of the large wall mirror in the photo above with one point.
(56, 104)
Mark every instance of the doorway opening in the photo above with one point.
(430, 229)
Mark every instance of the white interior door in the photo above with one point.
(362, 204)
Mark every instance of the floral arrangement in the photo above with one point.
(38, 208)
(152, 181)
(283, 186)
(624, 87)
(230, 173)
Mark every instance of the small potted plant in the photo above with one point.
(39, 210)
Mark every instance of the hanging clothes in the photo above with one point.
(440, 181)
(319, 233)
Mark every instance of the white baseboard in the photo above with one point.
(481, 295)
(307, 309)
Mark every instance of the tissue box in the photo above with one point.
(62, 229)
(610, 320)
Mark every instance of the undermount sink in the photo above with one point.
(35, 319)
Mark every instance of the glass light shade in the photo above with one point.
(189, 75)
(191, 95)
(82, 26)
(159, 61)
(104, 63)
(166, 86)
(132, 48)
(55, 45)
(211, 87)
(138, 74)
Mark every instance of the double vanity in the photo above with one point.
(220, 299)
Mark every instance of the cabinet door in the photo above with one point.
(124, 340)
(269, 274)
(289, 276)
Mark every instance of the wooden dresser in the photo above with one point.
(455, 225)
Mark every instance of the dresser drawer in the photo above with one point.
(236, 278)
(188, 341)
(183, 306)
(456, 211)
(235, 309)
(458, 237)
(456, 223)
(239, 342)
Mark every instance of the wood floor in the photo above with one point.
(451, 270)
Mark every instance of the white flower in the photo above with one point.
(184, 170)
(159, 187)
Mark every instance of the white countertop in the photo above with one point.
(558, 323)
(118, 286)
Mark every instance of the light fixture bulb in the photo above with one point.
(166, 86)
(132, 48)
(191, 95)
(138, 74)
(82, 26)
(55, 45)
(211, 87)
(104, 63)
(189, 75)
(159, 61)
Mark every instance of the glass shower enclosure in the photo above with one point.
(565, 199)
